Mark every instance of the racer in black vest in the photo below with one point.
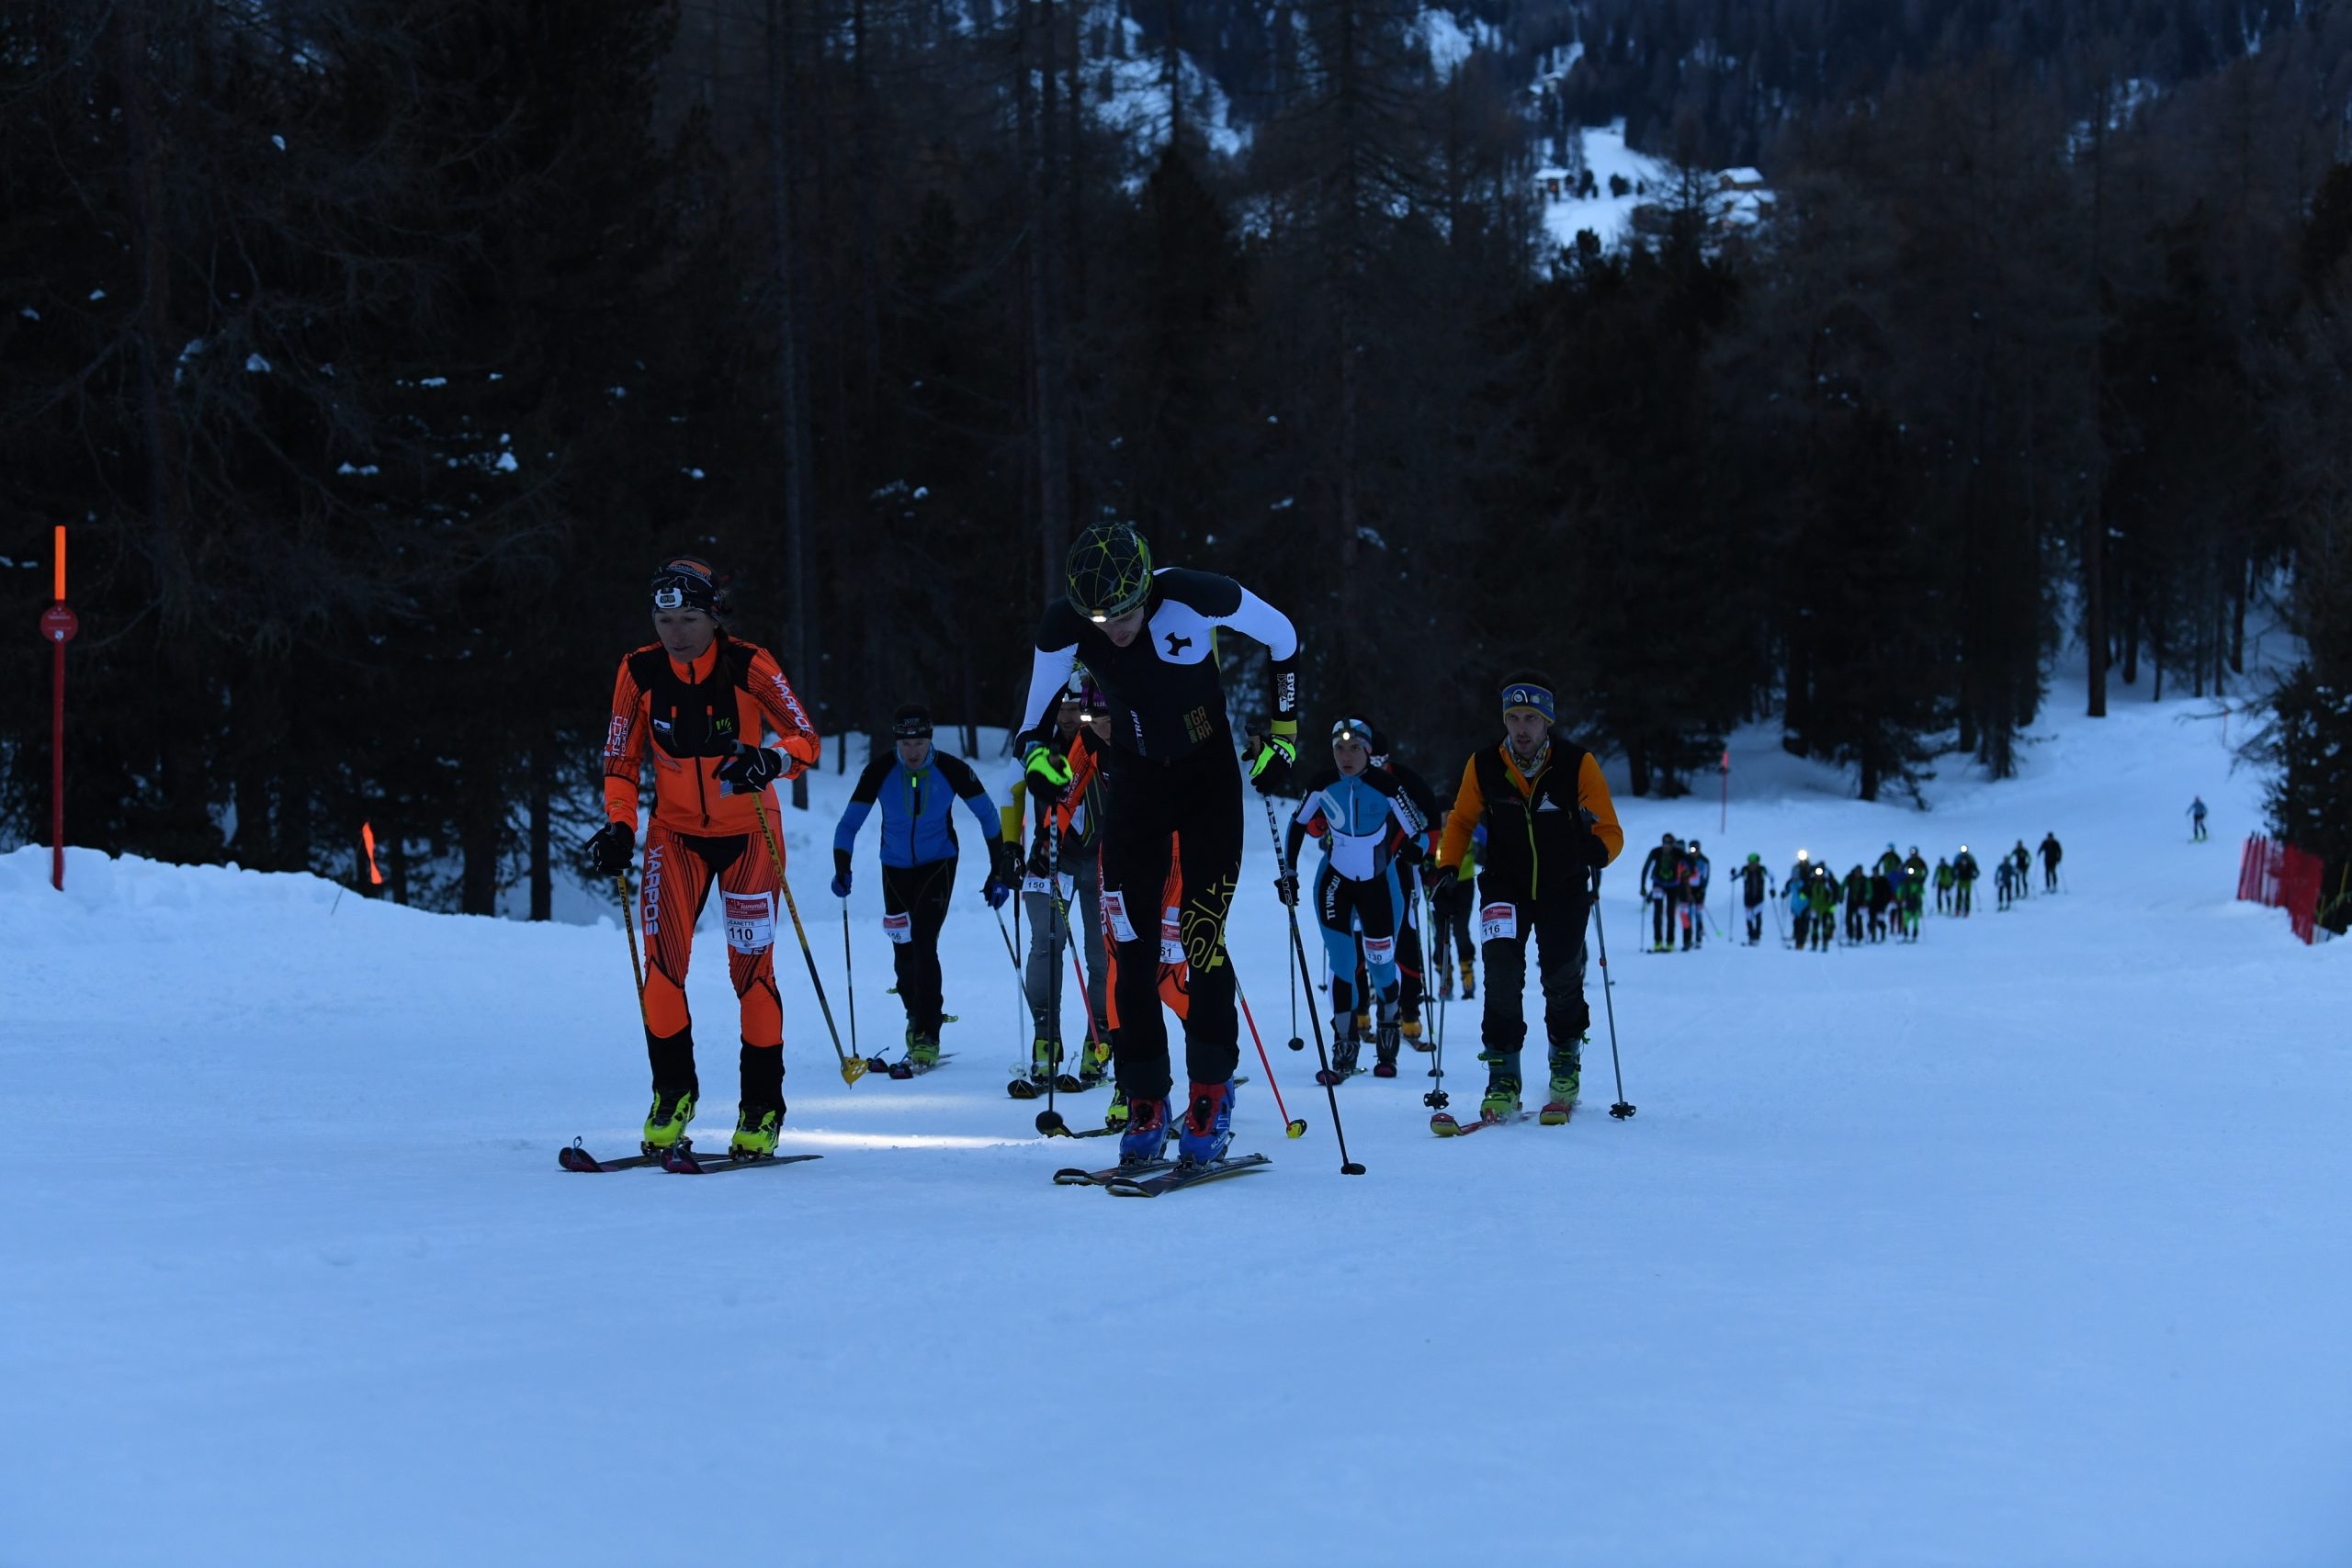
(1551, 826)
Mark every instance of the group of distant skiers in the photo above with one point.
(1884, 901)
(1127, 795)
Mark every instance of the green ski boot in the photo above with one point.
(1567, 1068)
(1094, 1064)
(1501, 1101)
(1117, 1116)
(1045, 1056)
(922, 1047)
(665, 1125)
(755, 1130)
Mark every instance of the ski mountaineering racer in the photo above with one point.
(1755, 883)
(1058, 889)
(1551, 827)
(1148, 637)
(1412, 961)
(708, 701)
(1368, 826)
(917, 785)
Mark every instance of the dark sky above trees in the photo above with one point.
(374, 349)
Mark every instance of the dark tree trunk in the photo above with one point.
(542, 859)
(791, 369)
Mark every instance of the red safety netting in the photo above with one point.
(2282, 876)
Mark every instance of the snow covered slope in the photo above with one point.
(2027, 1245)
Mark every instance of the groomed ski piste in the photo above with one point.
(2029, 1244)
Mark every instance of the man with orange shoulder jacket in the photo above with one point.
(724, 726)
(1551, 827)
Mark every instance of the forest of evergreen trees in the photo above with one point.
(374, 349)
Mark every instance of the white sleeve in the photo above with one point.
(1254, 617)
(1049, 676)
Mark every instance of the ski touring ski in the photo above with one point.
(1130, 1185)
(680, 1159)
(1445, 1127)
(1023, 1087)
(693, 1164)
(905, 1069)
(1073, 1175)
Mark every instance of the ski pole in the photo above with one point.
(1298, 951)
(1292, 1128)
(1623, 1109)
(852, 1068)
(1049, 1120)
(1288, 960)
(636, 964)
(850, 969)
(1437, 1098)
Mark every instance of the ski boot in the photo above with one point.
(1469, 980)
(1364, 1023)
(755, 1130)
(922, 1047)
(1094, 1064)
(1384, 1044)
(1206, 1129)
(676, 1090)
(665, 1125)
(1500, 1102)
(759, 1114)
(1344, 1048)
(1411, 1030)
(1146, 1138)
(1115, 1114)
(1567, 1068)
(1045, 1056)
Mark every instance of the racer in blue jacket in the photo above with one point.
(916, 785)
(1367, 825)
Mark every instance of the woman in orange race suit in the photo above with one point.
(709, 703)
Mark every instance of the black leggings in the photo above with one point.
(919, 893)
(1198, 800)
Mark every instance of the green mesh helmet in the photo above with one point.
(1109, 571)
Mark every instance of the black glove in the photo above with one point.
(1039, 864)
(1004, 863)
(1269, 765)
(751, 769)
(1411, 852)
(611, 848)
(1596, 853)
(1286, 888)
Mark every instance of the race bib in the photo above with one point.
(750, 921)
(1379, 950)
(1040, 884)
(1115, 916)
(1498, 922)
(1171, 936)
(899, 928)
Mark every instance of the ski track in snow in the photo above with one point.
(2025, 1245)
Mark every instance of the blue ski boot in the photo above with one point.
(1207, 1126)
(1146, 1138)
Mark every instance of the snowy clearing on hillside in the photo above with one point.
(2024, 1244)
(1649, 181)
